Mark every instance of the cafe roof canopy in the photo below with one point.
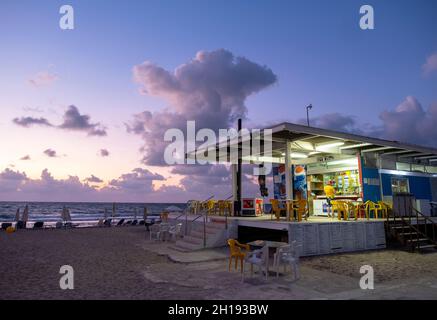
(310, 142)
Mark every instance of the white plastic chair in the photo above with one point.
(155, 232)
(175, 231)
(287, 255)
(260, 258)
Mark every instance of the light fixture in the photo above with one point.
(313, 152)
(352, 161)
(298, 155)
(352, 146)
(329, 145)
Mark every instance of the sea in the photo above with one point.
(81, 211)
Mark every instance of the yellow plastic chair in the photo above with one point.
(292, 206)
(341, 209)
(372, 206)
(224, 207)
(300, 207)
(385, 207)
(210, 206)
(343, 212)
(276, 210)
(353, 208)
(238, 251)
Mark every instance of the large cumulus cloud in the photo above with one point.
(211, 89)
(409, 122)
(201, 182)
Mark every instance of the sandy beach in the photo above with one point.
(119, 263)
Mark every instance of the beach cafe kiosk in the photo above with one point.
(359, 168)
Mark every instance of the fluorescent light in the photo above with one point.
(344, 161)
(329, 145)
(313, 152)
(352, 146)
(298, 155)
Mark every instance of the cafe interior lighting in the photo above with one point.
(296, 155)
(322, 147)
(352, 146)
(350, 161)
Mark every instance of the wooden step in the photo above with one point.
(401, 227)
(417, 240)
(407, 233)
(427, 246)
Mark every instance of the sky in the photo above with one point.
(83, 112)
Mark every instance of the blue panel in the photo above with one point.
(370, 191)
(386, 184)
(420, 187)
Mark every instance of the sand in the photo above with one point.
(119, 263)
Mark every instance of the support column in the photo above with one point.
(234, 169)
(288, 175)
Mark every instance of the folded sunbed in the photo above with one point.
(21, 225)
(38, 225)
(6, 225)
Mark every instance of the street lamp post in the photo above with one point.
(308, 117)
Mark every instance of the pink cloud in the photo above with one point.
(430, 65)
(43, 78)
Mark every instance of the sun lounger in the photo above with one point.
(120, 223)
(135, 222)
(128, 222)
(38, 225)
(6, 225)
(20, 225)
(141, 223)
(107, 222)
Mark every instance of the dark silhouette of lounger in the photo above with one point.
(107, 222)
(120, 223)
(6, 225)
(21, 225)
(141, 223)
(128, 222)
(135, 222)
(38, 225)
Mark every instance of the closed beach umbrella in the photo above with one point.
(26, 213)
(145, 213)
(64, 213)
(106, 214)
(113, 210)
(135, 213)
(17, 215)
(68, 215)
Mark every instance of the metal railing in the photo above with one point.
(201, 210)
(414, 221)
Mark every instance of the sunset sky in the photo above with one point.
(83, 111)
